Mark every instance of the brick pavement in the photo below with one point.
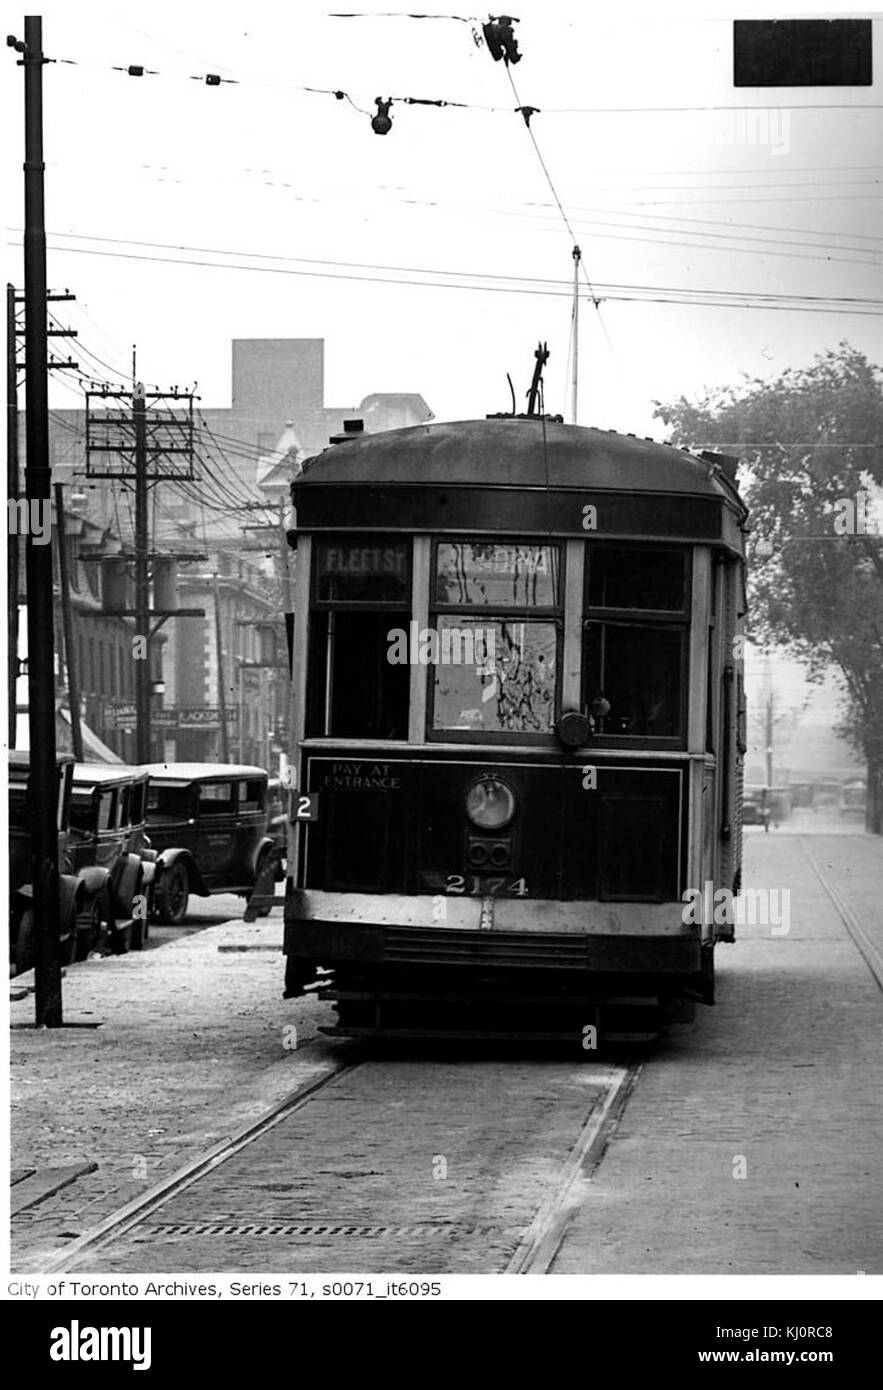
(785, 1073)
(192, 1046)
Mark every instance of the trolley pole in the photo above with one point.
(142, 582)
(12, 485)
(577, 257)
(42, 784)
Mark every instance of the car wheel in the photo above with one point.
(172, 894)
(261, 868)
(69, 937)
(94, 926)
(24, 943)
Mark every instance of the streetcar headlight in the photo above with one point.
(490, 803)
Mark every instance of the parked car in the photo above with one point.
(70, 890)
(216, 815)
(112, 857)
(853, 798)
(781, 803)
(755, 807)
(765, 805)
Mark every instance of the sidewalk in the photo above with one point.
(752, 1142)
(192, 1045)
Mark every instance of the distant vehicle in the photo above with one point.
(781, 803)
(70, 891)
(853, 798)
(755, 807)
(766, 805)
(111, 856)
(826, 796)
(801, 793)
(208, 824)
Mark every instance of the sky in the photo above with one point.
(183, 215)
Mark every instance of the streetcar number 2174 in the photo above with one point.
(485, 887)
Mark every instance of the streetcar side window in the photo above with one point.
(635, 642)
(493, 641)
(361, 595)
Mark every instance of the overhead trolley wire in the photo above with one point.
(512, 285)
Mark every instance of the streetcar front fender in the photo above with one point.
(182, 856)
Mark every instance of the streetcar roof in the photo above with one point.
(516, 452)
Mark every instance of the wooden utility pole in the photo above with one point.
(43, 781)
(142, 579)
(222, 691)
(70, 656)
(150, 445)
(12, 484)
(14, 365)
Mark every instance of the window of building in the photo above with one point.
(361, 593)
(635, 642)
(493, 641)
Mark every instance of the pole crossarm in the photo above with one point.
(143, 439)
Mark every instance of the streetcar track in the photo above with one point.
(118, 1223)
(539, 1246)
(860, 939)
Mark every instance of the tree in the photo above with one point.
(812, 445)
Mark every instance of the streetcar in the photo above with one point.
(518, 729)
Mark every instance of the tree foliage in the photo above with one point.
(812, 445)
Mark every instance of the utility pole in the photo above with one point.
(222, 693)
(15, 365)
(577, 257)
(152, 444)
(70, 659)
(11, 492)
(142, 578)
(769, 709)
(43, 780)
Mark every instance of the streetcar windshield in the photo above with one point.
(361, 591)
(496, 624)
(635, 641)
